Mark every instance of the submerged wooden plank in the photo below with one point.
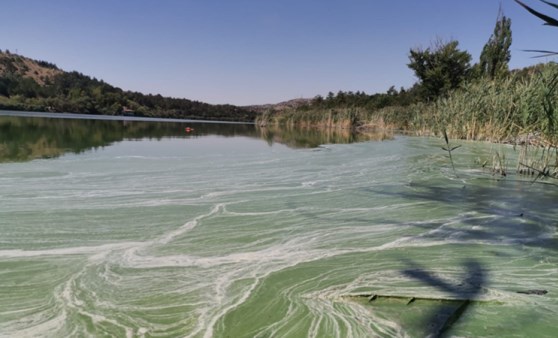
(411, 299)
(441, 315)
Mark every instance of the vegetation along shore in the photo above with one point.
(481, 101)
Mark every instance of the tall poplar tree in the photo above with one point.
(496, 53)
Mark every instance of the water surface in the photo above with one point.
(157, 232)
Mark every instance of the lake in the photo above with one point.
(142, 229)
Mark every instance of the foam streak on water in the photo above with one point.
(259, 241)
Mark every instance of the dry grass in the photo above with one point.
(26, 67)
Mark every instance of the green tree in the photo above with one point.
(440, 68)
(496, 53)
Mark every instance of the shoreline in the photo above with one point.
(76, 116)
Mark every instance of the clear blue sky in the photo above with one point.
(256, 51)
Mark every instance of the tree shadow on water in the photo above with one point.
(493, 216)
(506, 213)
(441, 319)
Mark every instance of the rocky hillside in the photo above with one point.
(39, 71)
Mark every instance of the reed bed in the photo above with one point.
(519, 110)
(499, 111)
(340, 118)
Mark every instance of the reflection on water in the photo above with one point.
(311, 138)
(28, 138)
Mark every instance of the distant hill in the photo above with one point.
(281, 106)
(33, 85)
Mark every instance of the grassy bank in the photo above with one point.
(349, 118)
